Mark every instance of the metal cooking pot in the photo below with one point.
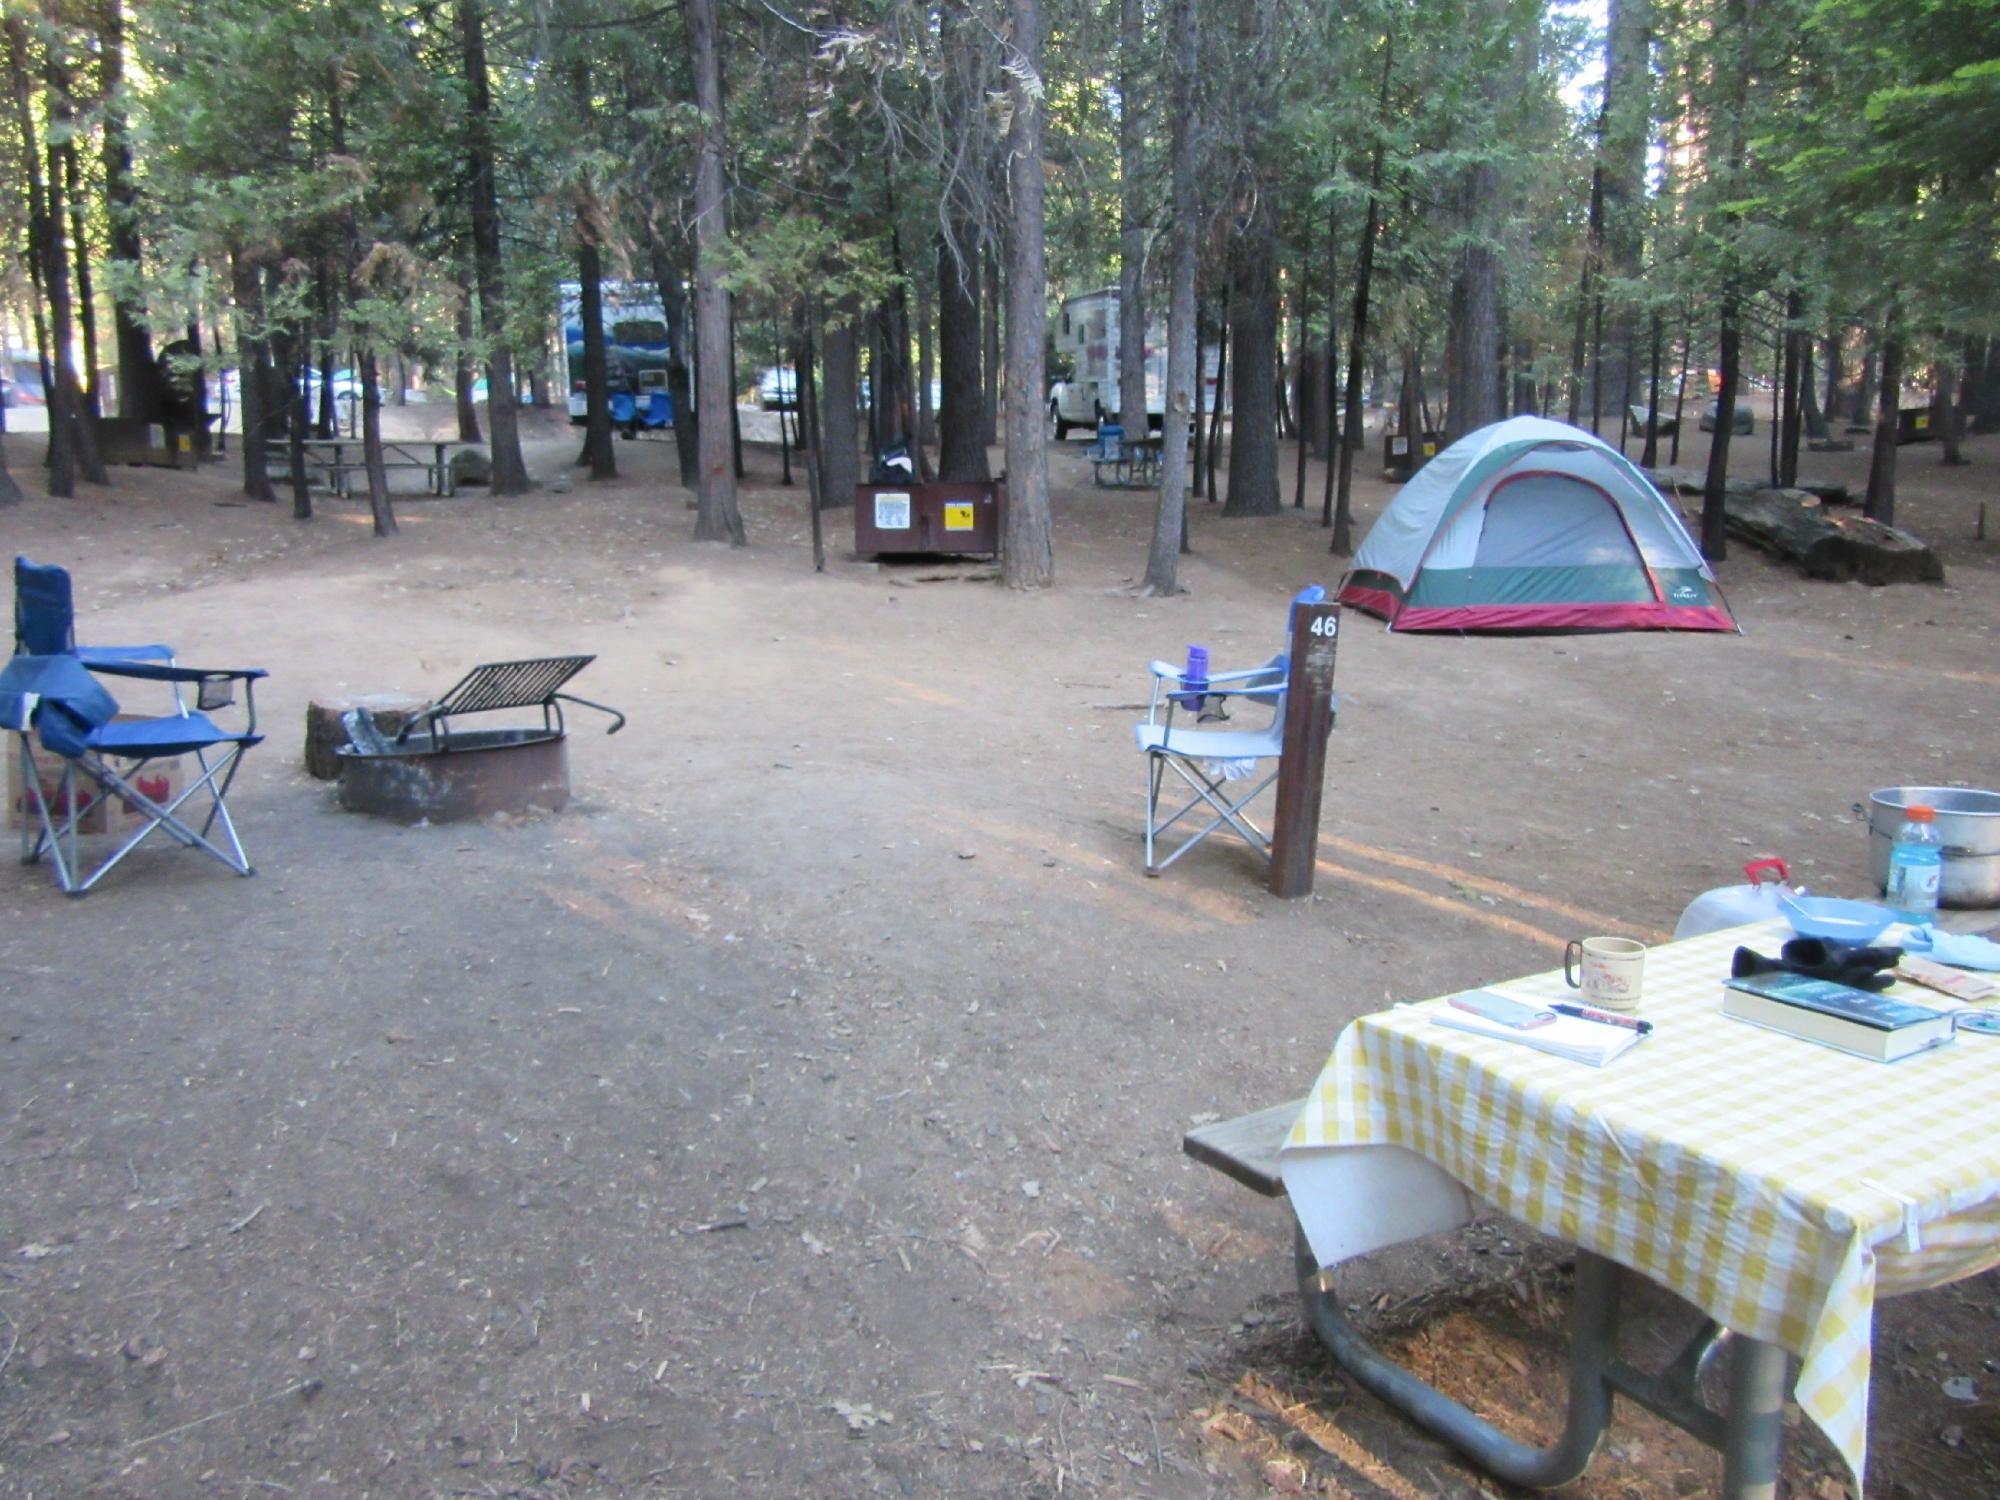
(1967, 821)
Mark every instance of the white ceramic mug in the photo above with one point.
(1611, 968)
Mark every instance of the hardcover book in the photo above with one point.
(1837, 1015)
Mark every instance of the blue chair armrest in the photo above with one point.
(161, 672)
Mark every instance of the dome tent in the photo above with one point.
(1533, 525)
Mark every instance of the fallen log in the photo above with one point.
(1794, 526)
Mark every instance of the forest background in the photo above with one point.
(1486, 206)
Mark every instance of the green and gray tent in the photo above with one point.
(1533, 525)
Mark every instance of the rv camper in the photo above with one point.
(635, 340)
(1086, 340)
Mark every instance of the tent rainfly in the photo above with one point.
(1533, 525)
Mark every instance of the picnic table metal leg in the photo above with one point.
(1593, 1341)
(1754, 1428)
(1749, 1432)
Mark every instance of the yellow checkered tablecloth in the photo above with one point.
(1777, 1185)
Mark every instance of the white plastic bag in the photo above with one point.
(1733, 905)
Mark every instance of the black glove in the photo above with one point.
(1818, 958)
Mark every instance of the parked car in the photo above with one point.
(778, 390)
(1741, 420)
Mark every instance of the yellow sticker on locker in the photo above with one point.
(958, 515)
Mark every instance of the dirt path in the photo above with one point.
(799, 1112)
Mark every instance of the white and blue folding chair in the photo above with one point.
(1226, 769)
(55, 699)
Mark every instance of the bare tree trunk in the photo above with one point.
(86, 308)
(989, 410)
(1351, 436)
(1253, 312)
(1949, 418)
(807, 387)
(1880, 504)
(57, 387)
(1479, 346)
(461, 363)
(961, 453)
(717, 517)
(1649, 456)
(597, 446)
(253, 368)
(1132, 412)
(840, 424)
(1028, 558)
(380, 511)
(1183, 345)
(510, 472)
(138, 374)
(1789, 414)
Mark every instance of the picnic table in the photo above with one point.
(1134, 462)
(1778, 1186)
(338, 460)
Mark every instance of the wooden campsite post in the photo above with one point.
(1302, 763)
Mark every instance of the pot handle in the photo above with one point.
(1758, 868)
(1860, 813)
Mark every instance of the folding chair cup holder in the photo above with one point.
(435, 772)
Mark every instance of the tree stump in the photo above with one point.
(1793, 525)
(325, 734)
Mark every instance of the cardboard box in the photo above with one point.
(162, 780)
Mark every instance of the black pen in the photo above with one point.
(1585, 1013)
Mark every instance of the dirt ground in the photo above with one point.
(799, 1112)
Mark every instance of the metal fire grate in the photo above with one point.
(508, 684)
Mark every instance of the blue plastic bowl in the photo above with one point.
(1836, 920)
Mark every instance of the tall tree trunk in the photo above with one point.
(86, 306)
(1649, 456)
(1622, 142)
(1880, 504)
(1183, 345)
(597, 445)
(381, 512)
(1253, 313)
(840, 400)
(1948, 415)
(510, 472)
(253, 368)
(680, 387)
(1028, 557)
(717, 518)
(47, 264)
(138, 374)
(1864, 391)
(989, 409)
(1132, 220)
(927, 434)
(461, 363)
(1479, 344)
(1223, 383)
(961, 453)
(1790, 382)
(1357, 334)
(1831, 346)
(1586, 294)
(1714, 543)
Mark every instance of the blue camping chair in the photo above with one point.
(45, 619)
(56, 699)
(1215, 763)
(1108, 447)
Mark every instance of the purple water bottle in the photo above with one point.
(1194, 679)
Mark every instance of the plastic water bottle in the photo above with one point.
(1194, 679)
(1916, 865)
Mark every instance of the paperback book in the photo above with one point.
(1861, 1022)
